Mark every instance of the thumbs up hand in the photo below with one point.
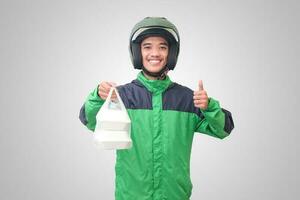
(200, 97)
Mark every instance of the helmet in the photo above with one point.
(154, 26)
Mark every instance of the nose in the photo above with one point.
(154, 52)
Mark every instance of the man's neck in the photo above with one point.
(154, 78)
(150, 77)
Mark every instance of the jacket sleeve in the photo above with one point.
(90, 108)
(215, 121)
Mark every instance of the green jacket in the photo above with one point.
(163, 122)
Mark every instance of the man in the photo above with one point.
(164, 116)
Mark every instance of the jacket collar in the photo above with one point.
(154, 86)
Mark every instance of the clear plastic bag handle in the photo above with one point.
(109, 100)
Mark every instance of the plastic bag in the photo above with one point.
(113, 124)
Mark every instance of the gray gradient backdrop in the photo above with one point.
(53, 53)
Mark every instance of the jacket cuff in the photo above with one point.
(94, 96)
(214, 114)
(213, 105)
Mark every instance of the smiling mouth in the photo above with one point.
(154, 62)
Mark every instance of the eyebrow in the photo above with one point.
(162, 43)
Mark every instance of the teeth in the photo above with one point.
(154, 61)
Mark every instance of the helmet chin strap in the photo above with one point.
(158, 75)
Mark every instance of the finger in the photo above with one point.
(197, 93)
(103, 89)
(200, 84)
(203, 101)
(201, 105)
(103, 95)
(201, 94)
(197, 97)
(197, 101)
(113, 96)
(106, 87)
(112, 84)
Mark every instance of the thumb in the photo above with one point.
(200, 84)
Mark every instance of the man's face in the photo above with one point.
(154, 52)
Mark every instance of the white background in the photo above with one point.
(53, 53)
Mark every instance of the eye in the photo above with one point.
(163, 47)
(146, 47)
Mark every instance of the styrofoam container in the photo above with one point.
(110, 118)
(112, 139)
(113, 125)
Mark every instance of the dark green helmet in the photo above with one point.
(154, 26)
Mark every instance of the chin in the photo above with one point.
(154, 69)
